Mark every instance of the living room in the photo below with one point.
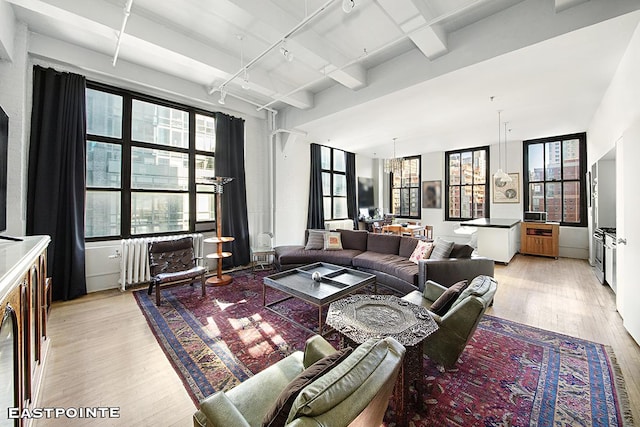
(277, 163)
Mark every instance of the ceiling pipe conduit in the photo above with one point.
(241, 98)
(295, 29)
(125, 18)
(383, 47)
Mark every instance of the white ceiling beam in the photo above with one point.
(308, 46)
(97, 66)
(529, 23)
(104, 19)
(412, 18)
(7, 30)
(567, 4)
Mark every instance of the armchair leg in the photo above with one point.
(157, 295)
(204, 287)
(150, 289)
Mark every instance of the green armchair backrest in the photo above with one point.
(355, 392)
(456, 327)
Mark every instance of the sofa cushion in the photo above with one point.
(461, 251)
(332, 241)
(285, 249)
(300, 255)
(315, 240)
(442, 249)
(354, 239)
(394, 265)
(341, 381)
(407, 246)
(383, 243)
(448, 297)
(279, 413)
(422, 251)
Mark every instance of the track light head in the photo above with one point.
(223, 95)
(288, 55)
(348, 5)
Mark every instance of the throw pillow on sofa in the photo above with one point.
(422, 251)
(461, 251)
(442, 249)
(332, 241)
(315, 240)
(448, 297)
(279, 412)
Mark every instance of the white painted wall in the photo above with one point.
(619, 107)
(292, 168)
(14, 91)
(618, 119)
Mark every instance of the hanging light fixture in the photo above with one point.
(393, 165)
(245, 73)
(223, 95)
(506, 177)
(503, 177)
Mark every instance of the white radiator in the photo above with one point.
(134, 264)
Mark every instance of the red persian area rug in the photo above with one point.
(509, 375)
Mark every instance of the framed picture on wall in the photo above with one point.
(507, 192)
(431, 194)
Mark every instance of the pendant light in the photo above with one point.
(245, 73)
(506, 177)
(394, 164)
(503, 177)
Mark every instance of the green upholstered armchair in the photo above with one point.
(354, 392)
(459, 323)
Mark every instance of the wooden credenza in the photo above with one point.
(24, 301)
(539, 238)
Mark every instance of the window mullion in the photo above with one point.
(192, 170)
(125, 168)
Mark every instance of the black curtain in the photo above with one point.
(315, 213)
(352, 204)
(56, 181)
(229, 162)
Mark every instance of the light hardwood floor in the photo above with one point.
(104, 354)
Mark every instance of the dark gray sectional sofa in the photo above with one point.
(387, 256)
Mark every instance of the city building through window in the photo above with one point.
(554, 179)
(405, 189)
(467, 184)
(147, 165)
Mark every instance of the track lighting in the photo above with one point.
(286, 53)
(223, 95)
(348, 5)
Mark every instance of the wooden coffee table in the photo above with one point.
(335, 282)
(360, 317)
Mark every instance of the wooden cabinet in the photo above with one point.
(24, 300)
(539, 238)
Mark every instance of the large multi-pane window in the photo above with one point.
(467, 184)
(148, 162)
(334, 183)
(554, 179)
(405, 189)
